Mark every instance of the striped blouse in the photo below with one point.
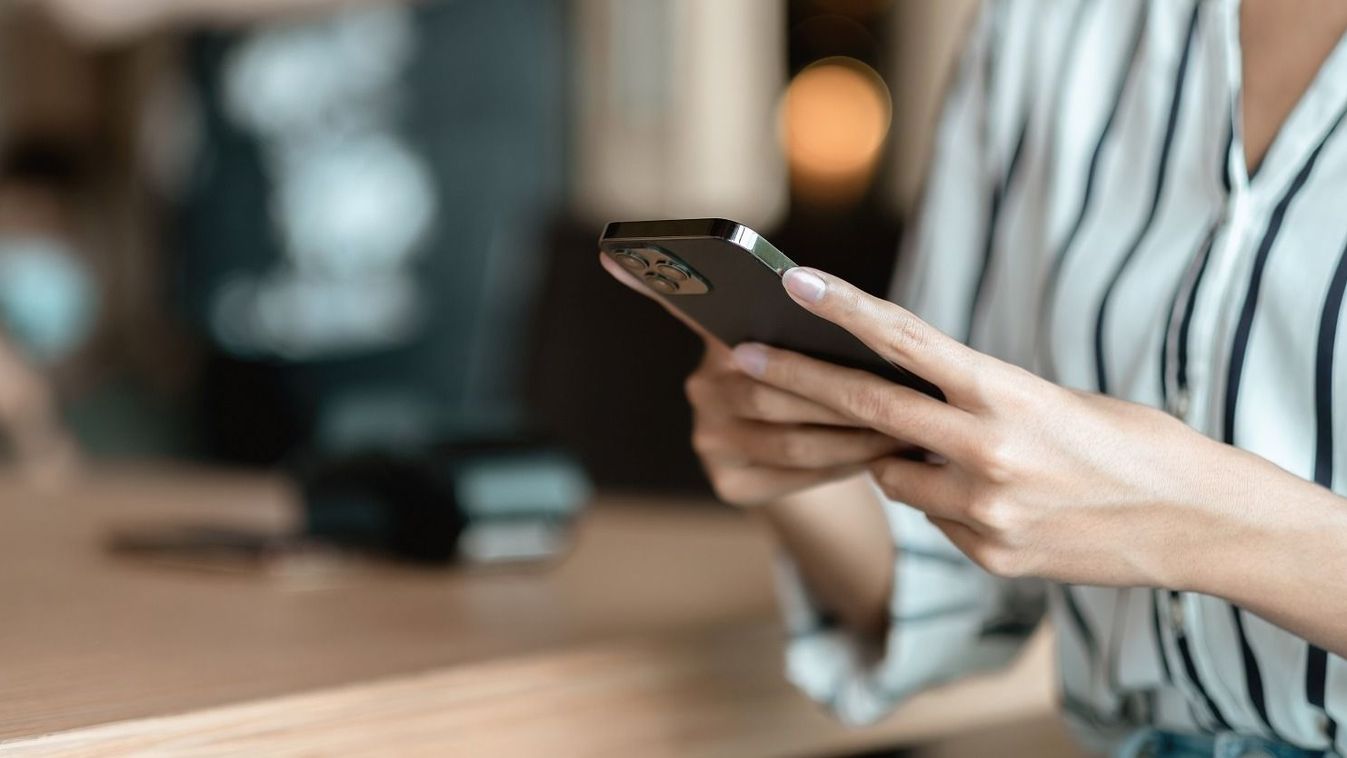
(1088, 215)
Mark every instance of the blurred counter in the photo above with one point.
(655, 636)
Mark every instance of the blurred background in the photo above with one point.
(258, 232)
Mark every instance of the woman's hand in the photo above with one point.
(759, 443)
(1028, 478)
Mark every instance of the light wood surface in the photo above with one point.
(709, 694)
(655, 637)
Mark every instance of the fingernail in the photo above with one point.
(805, 285)
(751, 358)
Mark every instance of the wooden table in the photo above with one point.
(655, 637)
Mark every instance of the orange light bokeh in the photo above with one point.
(835, 116)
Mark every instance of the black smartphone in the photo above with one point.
(727, 278)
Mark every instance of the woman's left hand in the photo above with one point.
(1027, 478)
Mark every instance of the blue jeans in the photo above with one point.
(1152, 743)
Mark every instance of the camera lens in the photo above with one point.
(661, 284)
(630, 261)
(671, 272)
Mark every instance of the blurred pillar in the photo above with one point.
(676, 114)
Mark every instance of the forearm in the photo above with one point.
(839, 538)
(1276, 546)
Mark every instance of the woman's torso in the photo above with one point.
(1140, 260)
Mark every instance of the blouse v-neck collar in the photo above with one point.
(1317, 111)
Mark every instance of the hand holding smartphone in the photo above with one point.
(757, 443)
(726, 279)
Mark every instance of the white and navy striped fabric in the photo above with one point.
(1089, 215)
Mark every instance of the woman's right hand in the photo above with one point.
(758, 443)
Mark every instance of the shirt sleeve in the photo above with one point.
(948, 617)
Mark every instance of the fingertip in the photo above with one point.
(804, 285)
(751, 358)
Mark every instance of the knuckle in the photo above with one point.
(866, 403)
(993, 511)
(907, 335)
(733, 487)
(886, 477)
(723, 486)
(998, 458)
(705, 440)
(976, 386)
(997, 560)
(794, 449)
(1025, 389)
(892, 487)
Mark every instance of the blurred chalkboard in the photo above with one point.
(480, 102)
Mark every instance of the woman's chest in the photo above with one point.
(1224, 309)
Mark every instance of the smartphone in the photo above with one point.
(727, 278)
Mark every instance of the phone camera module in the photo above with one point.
(660, 269)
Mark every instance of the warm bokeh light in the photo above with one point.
(835, 116)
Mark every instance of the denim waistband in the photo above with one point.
(1153, 743)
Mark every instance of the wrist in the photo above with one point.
(1207, 521)
(1250, 528)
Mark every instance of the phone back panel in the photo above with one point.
(745, 301)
